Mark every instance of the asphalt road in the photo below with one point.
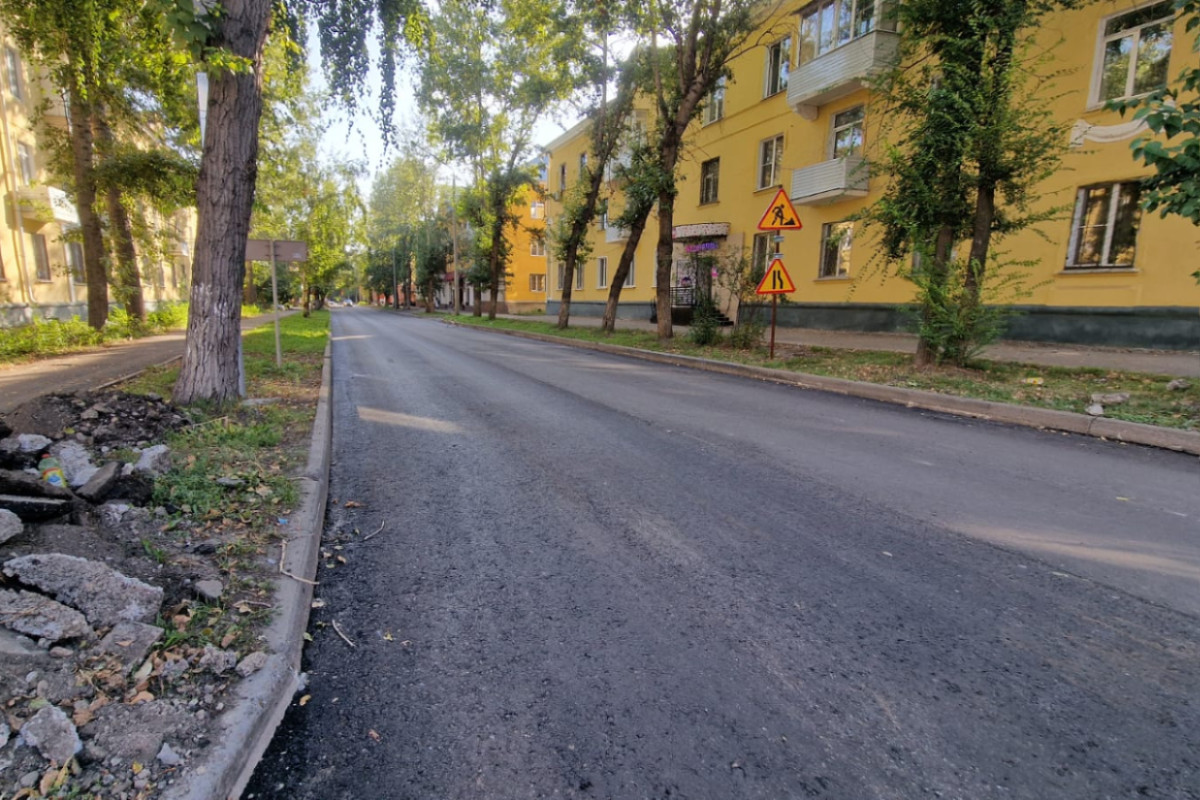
(570, 575)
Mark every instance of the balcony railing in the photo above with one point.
(45, 204)
(829, 181)
(840, 71)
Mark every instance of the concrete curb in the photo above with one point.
(1027, 416)
(262, 699)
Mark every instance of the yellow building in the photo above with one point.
(41, 263)
(796, 115)
(525, 292)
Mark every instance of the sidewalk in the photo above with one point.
(1176, 363)
(91, 369)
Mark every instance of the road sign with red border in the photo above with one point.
(780, 215)
(776, 280)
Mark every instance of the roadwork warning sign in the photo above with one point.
(781, 215)
(777, 280)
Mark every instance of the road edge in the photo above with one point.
(262, 699)
(988, 410)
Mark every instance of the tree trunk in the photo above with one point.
(568, 287)
(609, 321)
(94, 260)
(224, 199)
(981, 240)
(663, 253)
(927, 349)
(129, 279)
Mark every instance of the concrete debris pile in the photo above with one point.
(97, 680)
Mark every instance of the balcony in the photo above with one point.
(841, 71)
(830, 181)
(45, 204)
(613, 234)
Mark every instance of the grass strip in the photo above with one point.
(1062, 388)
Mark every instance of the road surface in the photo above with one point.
(570, 575)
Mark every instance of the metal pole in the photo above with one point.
(275, 305)
(774, 300)
(454, 234)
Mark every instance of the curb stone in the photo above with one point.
(262, 699)
(1027, 416)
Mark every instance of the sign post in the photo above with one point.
(271, 250)
(780, 216)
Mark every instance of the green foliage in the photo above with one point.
(974, 138)
(706, 325)
(42, 337)
(1173, 152)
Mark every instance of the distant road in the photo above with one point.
(568, 574)
(76, 372)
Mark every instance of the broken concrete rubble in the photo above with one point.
(101, 483)
(104, 595)
(38, 616)
(51, 733)
(130, 642)
(10, 525)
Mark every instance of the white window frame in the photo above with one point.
(714, 196)
(579, 276)
(582, 165)
(562, 178)
(41, 258)
(1110, 224)
(774, 145)
(631, 278)
(12, 65)
(602, 272)
(1102, 40)
(775, 69)
(26, 164)
(835, 129)
(879, 10)
(537, 282)
(762, 248)
(841, 266)
(714, 107)
(537, 211)
(562, 271)
(74, 255)
(537, 247)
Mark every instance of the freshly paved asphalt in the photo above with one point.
(567, 574)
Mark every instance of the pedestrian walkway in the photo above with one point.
(90, 369)
(1185, 364)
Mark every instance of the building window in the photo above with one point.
(602, 273)
(582, 165)
(1105, 226)
(631, 278)
(562, 179)
(709, 173)
(836, 238)
(832, 23)
(579, 275)
(779, 57)
(1135, 49)
(765, 246)
(848, 132)
(12, 65)
(41, 257)
(562, 271)
(25, 163)
(537, 211)
(714, 108)
(537, 247)
(537, 282)
(75, 261)
(770, 161)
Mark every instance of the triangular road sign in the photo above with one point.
(777, 280)
(781, 215)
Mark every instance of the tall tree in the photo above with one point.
(401, 196)
(489, 72)
(973, 131)
(228, 36)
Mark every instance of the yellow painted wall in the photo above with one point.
(1166, 250)
(522, 296)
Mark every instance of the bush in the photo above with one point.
(747, 334)
(706, 325)
(168, 317)
(47, 336)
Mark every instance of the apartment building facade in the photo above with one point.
(797, 114)
(41, 253)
